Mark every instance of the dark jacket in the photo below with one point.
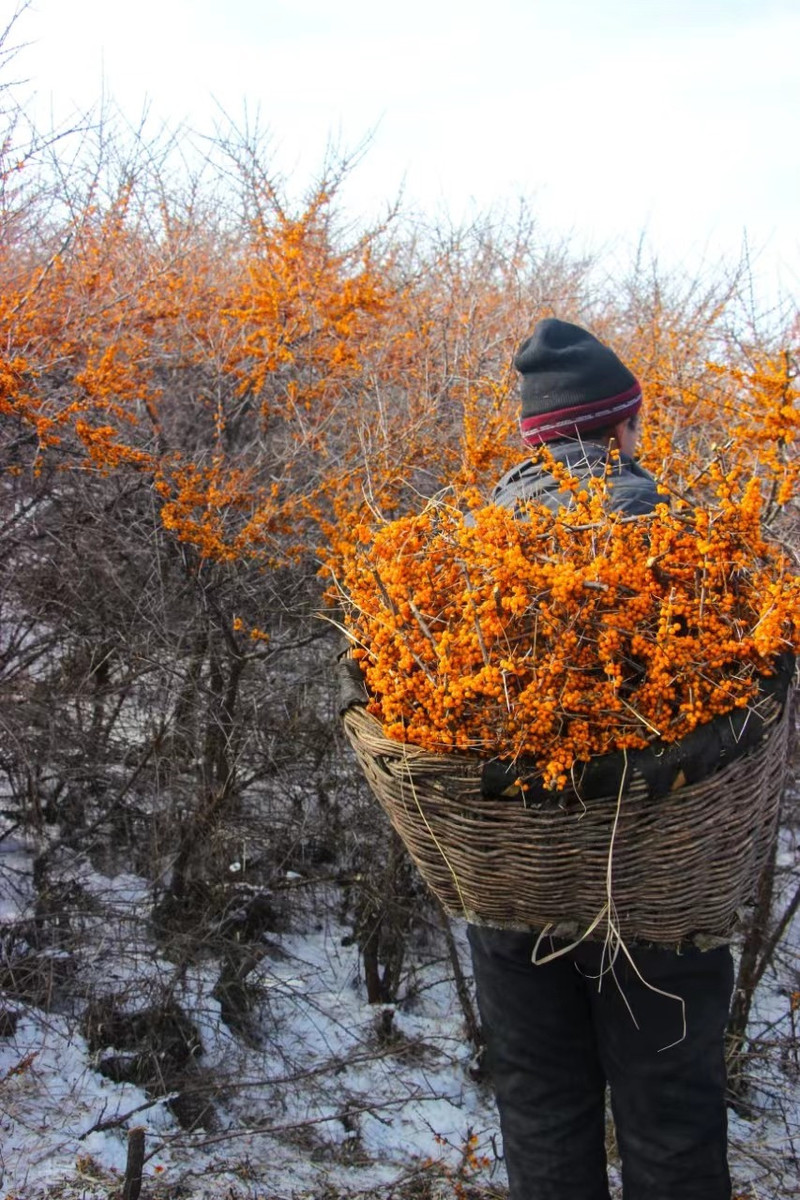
(633, 490)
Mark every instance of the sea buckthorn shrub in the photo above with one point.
(566, 635)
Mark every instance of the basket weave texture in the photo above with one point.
(655, 869)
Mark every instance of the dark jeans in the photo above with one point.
(557, 1033)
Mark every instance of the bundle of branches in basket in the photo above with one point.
(570, 635)
(558, 708)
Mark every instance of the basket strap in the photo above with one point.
(352, 689)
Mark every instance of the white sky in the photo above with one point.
(676, 119)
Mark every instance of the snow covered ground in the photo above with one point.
(323, 1090)
(318, 1094)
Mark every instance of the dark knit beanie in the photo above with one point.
(571, 384)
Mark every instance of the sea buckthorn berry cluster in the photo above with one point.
(563, 636)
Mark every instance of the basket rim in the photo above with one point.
(661, 768)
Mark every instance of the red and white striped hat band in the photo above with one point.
(580, 418)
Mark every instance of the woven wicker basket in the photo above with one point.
(665, 868)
